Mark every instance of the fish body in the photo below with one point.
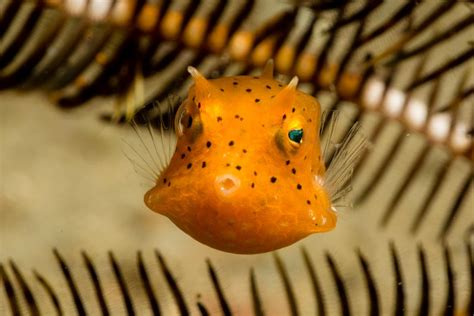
(247, 173)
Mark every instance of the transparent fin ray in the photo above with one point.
(340, 157)
(151, 154)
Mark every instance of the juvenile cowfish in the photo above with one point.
(247, 174)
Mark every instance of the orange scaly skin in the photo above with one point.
(236, 182)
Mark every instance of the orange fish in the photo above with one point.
(247, 175)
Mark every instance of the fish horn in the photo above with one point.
(268, 70)
(287, 95)
(293, 83)
(203, 87)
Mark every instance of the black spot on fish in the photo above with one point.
(288, 162)
(268, 87)
(219, 119)
(298, 186)
(203, 165)
(252, 185)
(257, 100)
(293, 170)
(231, 143)
(189, 165)
(208, 144)
(248, 90)
(238, 167)
(308, 202)
(183, 156)
(273, 179)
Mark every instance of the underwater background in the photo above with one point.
(75, 235)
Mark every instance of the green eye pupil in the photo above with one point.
(296, 135)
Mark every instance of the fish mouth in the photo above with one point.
(151, 199)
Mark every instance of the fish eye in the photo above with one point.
(182, 119)
(296, 135)
(188, 123)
